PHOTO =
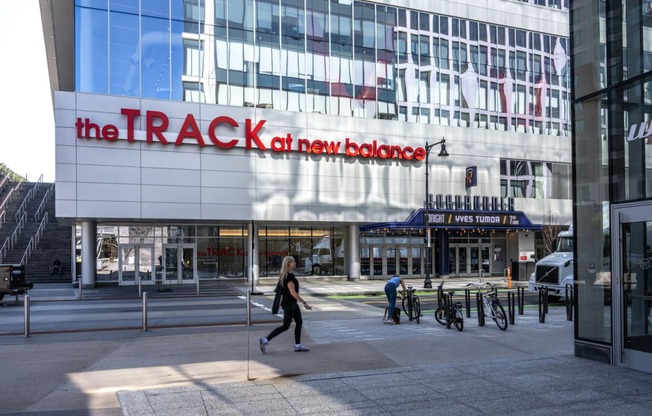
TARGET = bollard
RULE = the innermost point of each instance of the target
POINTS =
(26, 305)
(570, 302)
(478, 298)
(511, 307)
(447, 308)
(543, 305)
(467, 301)
(520, 291)
(80, 286)
(145, 311)
(197, 286)
(248, 307)
(440, 296)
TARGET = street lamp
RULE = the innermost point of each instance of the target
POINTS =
(442, 153)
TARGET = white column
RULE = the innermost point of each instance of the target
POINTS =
(252, 249)
(353, 257)
(88, 253)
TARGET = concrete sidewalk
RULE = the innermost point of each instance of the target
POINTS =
(353, 362)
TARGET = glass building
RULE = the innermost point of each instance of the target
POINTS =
(612, 80)
(205, 139)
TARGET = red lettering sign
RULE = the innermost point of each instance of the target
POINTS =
(157, 123)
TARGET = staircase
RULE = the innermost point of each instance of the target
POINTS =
(55, 242)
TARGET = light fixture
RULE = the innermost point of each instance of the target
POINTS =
(427, 283)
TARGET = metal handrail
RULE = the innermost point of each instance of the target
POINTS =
(46, 199)
(10, 196)
(23, 207)
(3, 249)
(34, 241)
(4, 183)
(3, 218)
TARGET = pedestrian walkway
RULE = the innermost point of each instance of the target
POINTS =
(353, 361)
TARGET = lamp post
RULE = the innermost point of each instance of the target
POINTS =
(442, 153)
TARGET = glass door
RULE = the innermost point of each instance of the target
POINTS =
(632, 286)
(179, 263)
(135, 264)
(459, 262)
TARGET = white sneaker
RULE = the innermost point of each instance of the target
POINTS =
(300, 347)
(263, 345)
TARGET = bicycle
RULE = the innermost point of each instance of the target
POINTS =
(454, 311)
(412, 304)
(491, 307)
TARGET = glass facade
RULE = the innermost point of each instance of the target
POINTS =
(213, 251)
(339, 57)
(612, 71)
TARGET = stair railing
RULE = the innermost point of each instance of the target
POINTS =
(13, 239)
(23, 207)
(33, 242)
(3, 249)
(13, 193)
(3, 218)
(46, 199)
(4, 183)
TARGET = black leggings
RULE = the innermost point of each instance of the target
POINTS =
(290, 312)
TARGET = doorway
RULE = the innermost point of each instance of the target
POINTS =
(179, 263)
(135, 264)
(465, 260)
(632, 285)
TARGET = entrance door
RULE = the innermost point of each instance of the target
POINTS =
(135, 264)
(632, 285)
(458, 260)
(469, 260)
(179, 263)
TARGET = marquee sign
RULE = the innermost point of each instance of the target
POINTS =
(478, 219)
(157, 123)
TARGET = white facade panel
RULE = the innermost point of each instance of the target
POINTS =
(66, 191)
(107, 209)
(110, 192)
(94, 174)
(171, 211)
(171, 194)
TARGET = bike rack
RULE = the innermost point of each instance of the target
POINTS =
(570, 301)
(543, 305)
(510, 307)
(478, 297)
(467, 302)
(447, 307)
(520, 292)
(440, 295)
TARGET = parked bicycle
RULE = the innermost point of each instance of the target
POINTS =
(454, 310)
(491, 307)
(412, 304)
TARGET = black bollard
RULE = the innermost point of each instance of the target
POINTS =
(440, 295)
(447, 308)
(511, 307)
(543, 305)
(467, 300)
(478, 297)
(521, 299)
(570, 302)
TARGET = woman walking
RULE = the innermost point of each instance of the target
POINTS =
(290, 305)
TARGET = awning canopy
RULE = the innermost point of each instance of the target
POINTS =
(458, 220)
